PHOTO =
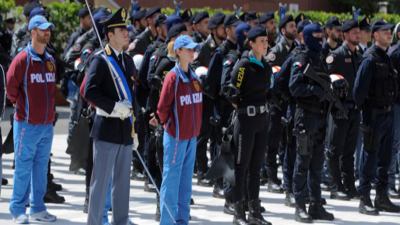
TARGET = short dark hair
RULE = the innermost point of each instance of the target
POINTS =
(108, 30)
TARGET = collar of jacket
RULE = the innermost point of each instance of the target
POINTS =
(35, 56)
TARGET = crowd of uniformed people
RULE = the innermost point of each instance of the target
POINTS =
(229, 99)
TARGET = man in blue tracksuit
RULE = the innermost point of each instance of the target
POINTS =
(31, 88)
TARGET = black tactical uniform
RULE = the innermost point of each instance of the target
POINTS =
(375, 91)
(344, 134)
(309, 127)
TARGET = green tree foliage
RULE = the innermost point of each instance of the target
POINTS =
(6, 5)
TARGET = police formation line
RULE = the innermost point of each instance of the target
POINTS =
(321, 101)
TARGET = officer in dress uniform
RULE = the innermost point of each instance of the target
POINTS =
(109, 87)
(375, 91)
(344, 62)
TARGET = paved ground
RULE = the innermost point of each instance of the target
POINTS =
(207, 209)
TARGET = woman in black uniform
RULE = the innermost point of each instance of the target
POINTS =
(251, 80)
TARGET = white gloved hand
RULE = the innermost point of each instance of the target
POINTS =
(123, 108)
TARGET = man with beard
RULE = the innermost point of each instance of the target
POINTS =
(112, 96)
(143, 40)
(200, 25)
(207, 50)
(344, 61)
(333, 32)
(138, 23)
(31, 81)
(276, 57)
(267, 20)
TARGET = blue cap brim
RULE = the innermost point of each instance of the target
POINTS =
(192, 45)
(46, 26)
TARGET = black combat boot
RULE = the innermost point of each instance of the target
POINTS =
(239, 218)
(318, 212)
(301, 214)
(366, 206)
(255, 216)
(383, 203)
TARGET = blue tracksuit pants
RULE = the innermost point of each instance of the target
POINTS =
(176, 187)
(32, 145)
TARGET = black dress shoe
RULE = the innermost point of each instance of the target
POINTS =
(4, 181)
(339, 195)
(229, 208)
(301, 214)
(218, 192)
(289, 200)
(274, 187)
(383, 203)
(318, 212)
(366, 206)
(53, 197)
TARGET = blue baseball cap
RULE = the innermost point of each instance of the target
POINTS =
(184, 41)
(39, 22)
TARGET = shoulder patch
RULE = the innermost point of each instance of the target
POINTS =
(227, 62)
(329, 59)
(271, 57)
(297, 64)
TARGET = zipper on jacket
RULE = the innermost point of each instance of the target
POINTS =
(47, 94)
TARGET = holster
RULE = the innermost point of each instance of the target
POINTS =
(302, 141)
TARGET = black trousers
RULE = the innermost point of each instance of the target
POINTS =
(290, 151)
(250, 145)
(206, 133)
(376, 154)
(310, 134)
(274, 138)
(343, 141)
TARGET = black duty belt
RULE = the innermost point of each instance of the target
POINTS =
(383, 109)
(253, 110)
